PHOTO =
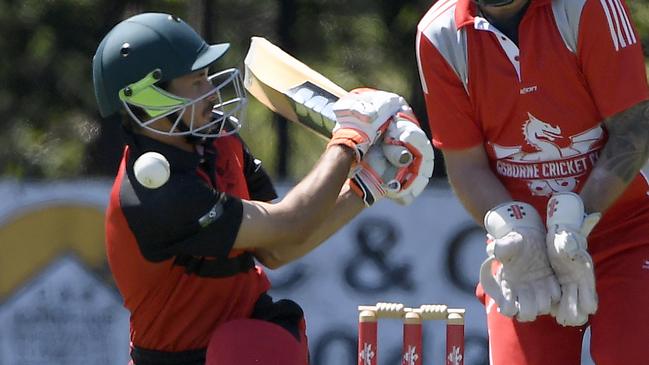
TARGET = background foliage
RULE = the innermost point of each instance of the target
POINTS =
(50, 125)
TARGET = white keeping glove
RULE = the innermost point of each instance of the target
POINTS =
(524, 285)
(568, 227)
(414, 177)
(362, 116)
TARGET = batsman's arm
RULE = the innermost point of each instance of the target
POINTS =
(473, 181)
(626, 151)
(300, 213)
(348, 206)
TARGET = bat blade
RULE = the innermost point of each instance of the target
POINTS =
(297, 92)
(290, 88)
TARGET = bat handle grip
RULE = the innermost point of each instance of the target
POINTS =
(397, 155)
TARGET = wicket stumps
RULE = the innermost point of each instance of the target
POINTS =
(412, 331)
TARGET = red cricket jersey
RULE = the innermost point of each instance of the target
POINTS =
(537, 109)
(147, 231)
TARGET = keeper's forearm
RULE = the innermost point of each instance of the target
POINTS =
(478, 189)
(473, 181)
(621, 159)
(348, 206)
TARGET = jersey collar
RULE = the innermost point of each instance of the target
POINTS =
(466, 11)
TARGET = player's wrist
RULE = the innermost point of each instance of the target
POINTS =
(347, 151)
(351, 139)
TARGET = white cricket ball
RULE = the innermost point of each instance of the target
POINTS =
(151, 170)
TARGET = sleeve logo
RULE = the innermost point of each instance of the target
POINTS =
(211, 216)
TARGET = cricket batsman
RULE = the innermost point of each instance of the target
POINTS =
(540, 108)
(182, 246)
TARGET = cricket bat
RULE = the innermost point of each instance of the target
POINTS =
(298, 93)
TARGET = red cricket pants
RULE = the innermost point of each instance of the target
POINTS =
(619, 329)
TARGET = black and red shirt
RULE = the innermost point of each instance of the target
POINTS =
(170, 249)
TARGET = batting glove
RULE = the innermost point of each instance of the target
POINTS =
(568, 227)
(361, 118)
(382, 173)
(373, 177)
(413, 178)
(524, 285)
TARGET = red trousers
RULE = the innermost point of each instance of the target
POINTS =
(619, 329)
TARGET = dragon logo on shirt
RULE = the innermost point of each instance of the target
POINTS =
(549, 162)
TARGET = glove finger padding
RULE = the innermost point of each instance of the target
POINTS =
(375, 176)
(569, 313)
(405, 131)
(362, 116)
(367, 177)
(507, 305)
(555, 290)
(587, 299)
(407, 196)
(527, 308)
(368, 106)
(544, 300)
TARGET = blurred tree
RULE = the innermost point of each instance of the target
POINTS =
(285, 29)
(45, 101)
(51, 128)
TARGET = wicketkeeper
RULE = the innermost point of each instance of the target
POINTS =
(540, 108)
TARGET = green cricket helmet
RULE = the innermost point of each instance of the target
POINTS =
(148, 49)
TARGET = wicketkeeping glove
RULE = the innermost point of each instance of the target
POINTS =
(568, 227)
(524, 285)
(362, 116)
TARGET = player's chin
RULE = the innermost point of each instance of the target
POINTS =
(202, 119)
(203, 123)
(205, 118)
(207, 114)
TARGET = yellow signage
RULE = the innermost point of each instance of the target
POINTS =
(33, 237)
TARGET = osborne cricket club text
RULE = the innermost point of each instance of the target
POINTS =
(548, 169)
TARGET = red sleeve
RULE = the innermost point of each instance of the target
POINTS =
(611, 57)
(450, 114)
